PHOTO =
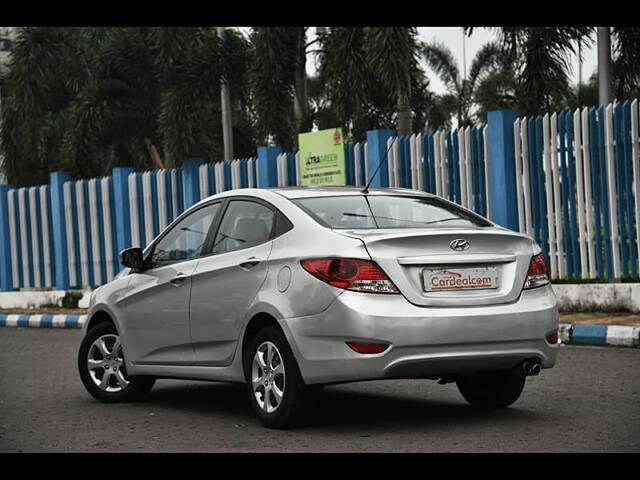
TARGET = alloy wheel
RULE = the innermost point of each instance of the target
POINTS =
(268, 377)
(106, 364)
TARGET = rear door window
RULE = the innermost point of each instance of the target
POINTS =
(245, 224)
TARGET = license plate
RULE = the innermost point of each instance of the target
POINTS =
(442, 279)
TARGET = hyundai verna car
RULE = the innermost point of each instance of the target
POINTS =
(291, 288)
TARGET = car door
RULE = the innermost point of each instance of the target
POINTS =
(157, 303)
(226, 281)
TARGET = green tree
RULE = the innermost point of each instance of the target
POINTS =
(88, 99)
(273, 84)
(626, 63)
(370, 78)
(542, 58)
(40, 82)
(584, 94)
(485, 77)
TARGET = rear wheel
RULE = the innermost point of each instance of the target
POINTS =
(276, 390)
(492, 389)
(102, 367)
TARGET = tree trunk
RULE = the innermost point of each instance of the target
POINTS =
(404, 118)
(300, 101)
(153, 153)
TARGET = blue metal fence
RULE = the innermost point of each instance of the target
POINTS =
(579, 194)
(573, 187)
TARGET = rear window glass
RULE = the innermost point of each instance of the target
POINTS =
(385, 211)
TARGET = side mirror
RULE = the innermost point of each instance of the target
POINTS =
(132, 258)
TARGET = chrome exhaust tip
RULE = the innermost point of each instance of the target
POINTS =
(535, 370)
(527, 368)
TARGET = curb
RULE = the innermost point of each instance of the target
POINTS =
(614, 335)
(44, 320)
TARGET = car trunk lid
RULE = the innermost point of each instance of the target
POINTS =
(490, 268)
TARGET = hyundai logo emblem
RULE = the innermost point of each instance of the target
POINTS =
(459, 244)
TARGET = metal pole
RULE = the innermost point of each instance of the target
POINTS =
(225, 101)
(3, 179)
(604, 65)
(464, 58)
(579, 62)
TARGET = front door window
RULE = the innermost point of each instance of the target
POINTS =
(186, 240)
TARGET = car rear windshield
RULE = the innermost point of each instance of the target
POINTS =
(386, 211)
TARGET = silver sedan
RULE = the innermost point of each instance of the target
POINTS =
(289, 289)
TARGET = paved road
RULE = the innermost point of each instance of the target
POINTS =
(589, 402)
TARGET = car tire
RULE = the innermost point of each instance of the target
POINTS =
(492, 389)
(100, 355)
(287, 398)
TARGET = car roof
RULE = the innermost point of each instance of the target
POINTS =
(327, 191)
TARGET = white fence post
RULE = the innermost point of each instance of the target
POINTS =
(611, 190)
(580, 181)
(549, 191)
(557, 207)
(391, 168)
(462, 171)
(395, 149)
(219, 176)
(516, 143)
(586, 158)
(468, 167)
(203, 173)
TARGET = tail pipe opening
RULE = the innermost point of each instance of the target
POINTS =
(530, 367)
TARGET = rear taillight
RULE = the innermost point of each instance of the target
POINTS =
(538, 274)
(350, 274)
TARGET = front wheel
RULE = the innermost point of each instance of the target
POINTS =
(102, 367)
(492, 389)
(276, 390)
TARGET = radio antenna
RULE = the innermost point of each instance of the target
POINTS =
(365, 190)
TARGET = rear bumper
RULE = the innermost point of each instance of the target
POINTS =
(424, 342)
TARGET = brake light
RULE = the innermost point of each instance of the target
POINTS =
(538, 274)
(552, 337)
(350, 274)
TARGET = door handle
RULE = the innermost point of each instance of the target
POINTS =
(249, 263)
(178, 279)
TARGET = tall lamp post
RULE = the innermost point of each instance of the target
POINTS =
(604, 65)
(225, 101)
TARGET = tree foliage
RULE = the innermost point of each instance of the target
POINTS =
(483, 87)
(626, 62)
(366, 74)
(541, 56)
(86, 100)
(273, 84)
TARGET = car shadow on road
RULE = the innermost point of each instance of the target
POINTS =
(338, 408)
(342, 409)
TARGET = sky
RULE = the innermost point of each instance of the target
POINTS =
(452, 37)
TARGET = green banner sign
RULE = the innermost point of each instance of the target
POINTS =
(322, 157)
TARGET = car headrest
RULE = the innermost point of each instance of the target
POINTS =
(252, 230)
